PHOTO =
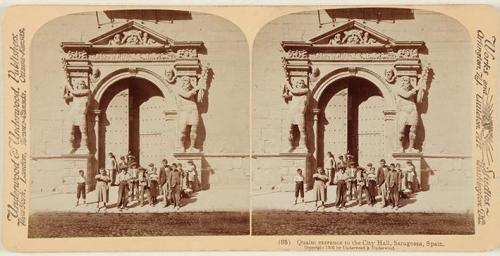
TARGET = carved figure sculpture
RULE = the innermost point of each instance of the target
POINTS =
(77, 98)
(407, 112)
(187, 97)
(297, 98)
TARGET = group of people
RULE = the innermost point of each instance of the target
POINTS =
(144, 185)
(392, 182)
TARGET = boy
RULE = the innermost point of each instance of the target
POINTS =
(80, 187)
(341, 178)
(361, 184)
(351, 181)
(299, 185)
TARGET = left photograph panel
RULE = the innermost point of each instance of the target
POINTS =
(139, 125)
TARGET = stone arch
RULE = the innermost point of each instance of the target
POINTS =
(329, 79)
(124, 73)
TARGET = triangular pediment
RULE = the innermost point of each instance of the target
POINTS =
(131, 34)
(352, 33)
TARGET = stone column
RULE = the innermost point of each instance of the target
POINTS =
(316, 112)
(97, 131)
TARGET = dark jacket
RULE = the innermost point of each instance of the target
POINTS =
(163, 175)
(381, 175)
(175, 178)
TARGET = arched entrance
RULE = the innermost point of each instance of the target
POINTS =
(126, 86)
(351, 120)
(132, 112)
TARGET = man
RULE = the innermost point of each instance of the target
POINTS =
(162, 181)
(191, 176)
(123, 164)
(123, 180)
(134, 182)
(341, 178)
(143, 185)
(351, 180)
(361, 183)
(130, 159)
(381, 181)
(411, 177)
(112, 168)
(341, 163)
(330, 167)
(393, 182)
(175, 182)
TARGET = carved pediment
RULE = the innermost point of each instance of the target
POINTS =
(351, 34)
(132, 34)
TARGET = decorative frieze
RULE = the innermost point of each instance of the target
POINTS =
(133, 57)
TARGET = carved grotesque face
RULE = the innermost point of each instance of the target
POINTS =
(133, 39)
(336, 38)
(117, 38)
(389, 74)
(405, 82)
(81, 85)
(300, 84)
(96, 73)
(170, 74)
(186, 83)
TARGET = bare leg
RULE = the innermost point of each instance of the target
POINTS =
(402, 137)
(182, 137)
(193, 135)
(72, 139)
(291, 138)
(83, 131)
(412, 136)
(302, 137)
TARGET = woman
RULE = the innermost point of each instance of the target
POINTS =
(153, 185)
(102, 180)
(320, 179)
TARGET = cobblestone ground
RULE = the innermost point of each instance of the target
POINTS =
(74, 224)
(332, 223)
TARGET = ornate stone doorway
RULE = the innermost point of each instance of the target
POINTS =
(379, 81)
(351, 119)
(124, 89)
(133, 120)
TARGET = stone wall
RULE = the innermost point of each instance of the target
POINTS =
(226, 123)
(446, 126)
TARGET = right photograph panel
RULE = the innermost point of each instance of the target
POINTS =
(361, 124)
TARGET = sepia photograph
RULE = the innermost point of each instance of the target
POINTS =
(361, 124)
(139, 125)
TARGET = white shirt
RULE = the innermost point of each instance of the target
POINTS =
(80, 179)
(123, 177)
(298, 178)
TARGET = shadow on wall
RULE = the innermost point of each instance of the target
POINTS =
(202, 109)
(205, 173)
(425, 176)
(422, 109)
